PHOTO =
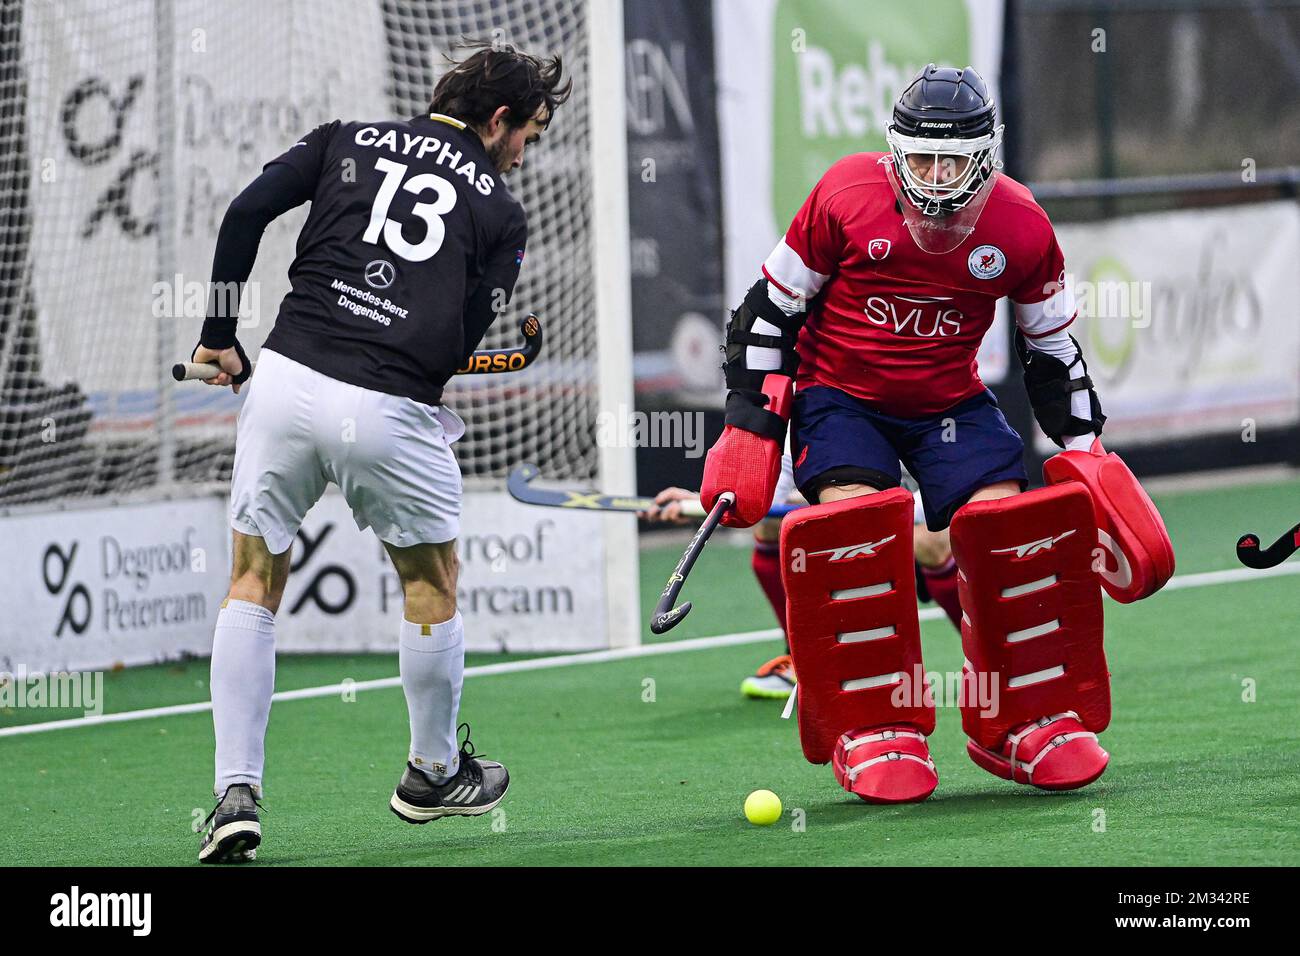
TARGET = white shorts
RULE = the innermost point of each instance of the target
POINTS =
(784, 484)
(391, 457)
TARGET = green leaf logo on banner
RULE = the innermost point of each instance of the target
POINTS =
(838, 66)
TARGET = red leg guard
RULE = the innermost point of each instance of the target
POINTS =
(852, 623)
(1036, 689)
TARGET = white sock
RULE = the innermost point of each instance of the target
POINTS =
(432, 664)
(242, 682)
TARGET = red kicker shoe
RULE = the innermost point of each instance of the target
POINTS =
(1051, 753)
(885, 764)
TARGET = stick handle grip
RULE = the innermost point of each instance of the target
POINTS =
(190, 371)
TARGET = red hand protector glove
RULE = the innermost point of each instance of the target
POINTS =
(1139, 557)
(748, 464)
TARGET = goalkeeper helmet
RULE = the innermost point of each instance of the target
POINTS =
(943, 142)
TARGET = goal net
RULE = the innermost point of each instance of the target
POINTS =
(113, 190)
(127, 126)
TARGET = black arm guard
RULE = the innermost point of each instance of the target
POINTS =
(1050, 388)
(745, 399)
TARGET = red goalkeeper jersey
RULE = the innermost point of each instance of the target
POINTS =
(899, 327)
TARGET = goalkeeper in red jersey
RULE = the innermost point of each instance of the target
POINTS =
(863, 331)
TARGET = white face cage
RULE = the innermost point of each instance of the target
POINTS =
(943, 185)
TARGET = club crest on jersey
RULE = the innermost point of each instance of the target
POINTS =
(1033, 547)
(877, 249)
(986, 262)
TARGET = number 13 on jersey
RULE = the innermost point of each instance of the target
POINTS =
(430, 212)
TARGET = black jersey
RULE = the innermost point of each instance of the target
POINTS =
(408, 221)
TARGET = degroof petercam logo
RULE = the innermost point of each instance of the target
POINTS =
(838, 66)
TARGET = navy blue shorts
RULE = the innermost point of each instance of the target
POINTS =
(840, 439)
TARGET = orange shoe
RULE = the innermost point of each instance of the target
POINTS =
(774, 680)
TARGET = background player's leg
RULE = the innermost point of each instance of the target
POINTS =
(243, 660)
(432, 653)
(775, 679)
(935, 556)
(933, 553)
(766, 562)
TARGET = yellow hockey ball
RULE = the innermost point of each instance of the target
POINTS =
(762, 808)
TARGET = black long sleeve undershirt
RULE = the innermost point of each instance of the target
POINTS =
(277, 190)
(480, 313)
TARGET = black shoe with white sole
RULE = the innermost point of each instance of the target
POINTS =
(233, 828)
(476, 788)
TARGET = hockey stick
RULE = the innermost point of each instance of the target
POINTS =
(666, 616)
(484, 362)
(1249, 554)
(520, 489)
(491, 361)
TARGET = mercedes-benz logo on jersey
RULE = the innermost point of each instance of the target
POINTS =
(986, 262)
(380, 274)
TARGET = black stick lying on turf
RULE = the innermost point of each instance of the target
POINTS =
(483, 362)
(666, 617)
(520, 489)
(1249, 554)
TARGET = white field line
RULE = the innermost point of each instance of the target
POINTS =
(1178, 583)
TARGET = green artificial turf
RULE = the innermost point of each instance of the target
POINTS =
(648, 760)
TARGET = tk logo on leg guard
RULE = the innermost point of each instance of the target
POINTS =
(854, 550)
(1033, 547)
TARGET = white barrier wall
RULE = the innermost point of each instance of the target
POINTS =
(137, 584)
(531, 579)
(86, 589)
(1188, 319)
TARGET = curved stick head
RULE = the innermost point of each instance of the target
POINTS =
(518, 479)
(531, 329)
(662, 623)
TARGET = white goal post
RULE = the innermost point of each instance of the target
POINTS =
(126, 127)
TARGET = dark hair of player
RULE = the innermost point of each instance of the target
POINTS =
(497, 75)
